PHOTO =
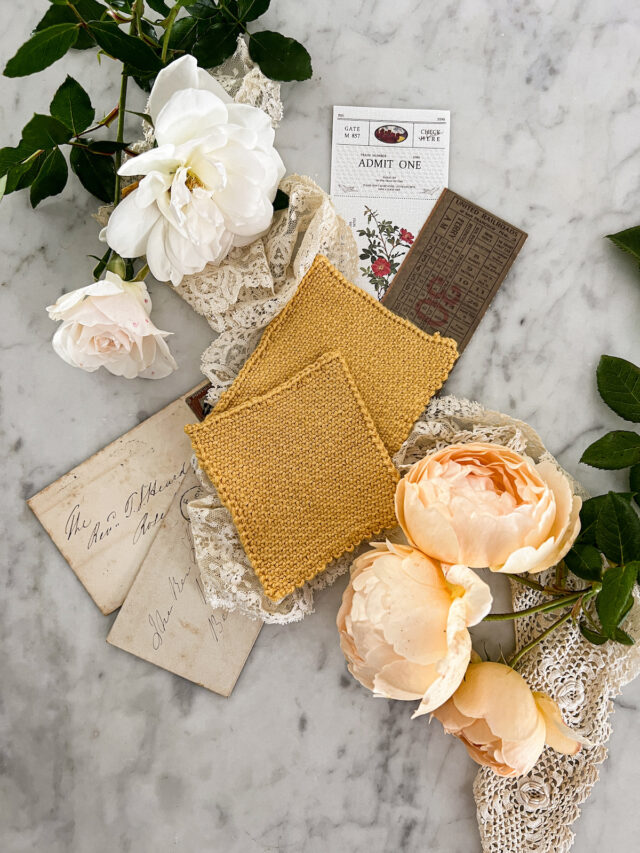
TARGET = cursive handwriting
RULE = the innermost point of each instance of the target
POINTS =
(217, 619)
(75, 522)
(146, 524)
(141, 496)
(159, 624)
(99, 533)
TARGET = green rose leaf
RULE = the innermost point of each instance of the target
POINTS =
(97, 173)
(10, 157)
(158, 6)
(628, 240)
(589, 514)
(89, 10)
(617, 449)
(106, 146)
(128, 49)
(279, 57)
(183, 34)
(619, 386)
(592, 636)
(215, 44)
(203, 9)
(281, 201)
(43, 49)
(51, 177)
(634, 481)
(23, 175)
(585, 561)
(249, 10)
(621, 636)
(612, 600)
(43, 132)
(618, 530)
(72, 106)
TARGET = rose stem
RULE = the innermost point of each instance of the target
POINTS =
(523, 651)
(526, 582)
(538, 608)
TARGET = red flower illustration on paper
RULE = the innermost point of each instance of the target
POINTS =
(385, 247)
(381, 267)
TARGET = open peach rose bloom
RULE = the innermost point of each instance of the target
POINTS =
(483, 505)
(403, 624)
(502, 723)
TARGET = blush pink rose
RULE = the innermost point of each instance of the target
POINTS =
(484, 505)
(107, 325)
(502, 723)
(403, 624)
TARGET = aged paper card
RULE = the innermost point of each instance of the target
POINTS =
(388, 167)
(104, 514)
(165, 618)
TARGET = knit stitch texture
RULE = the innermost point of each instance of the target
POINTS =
(303, 471)
(396, 366)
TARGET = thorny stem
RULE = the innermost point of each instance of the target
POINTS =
(120, 133)
(546, 606)
(525, 649)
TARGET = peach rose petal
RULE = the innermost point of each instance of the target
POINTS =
(500, 695)
(403, 624)
(558, 735)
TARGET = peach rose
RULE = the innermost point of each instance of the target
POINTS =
(403, 624)
(484, 505)
(502, 723)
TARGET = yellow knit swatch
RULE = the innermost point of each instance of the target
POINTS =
(396, 366)
(303, 472)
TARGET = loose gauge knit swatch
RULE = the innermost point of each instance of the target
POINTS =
(396, 366)
(303, 471)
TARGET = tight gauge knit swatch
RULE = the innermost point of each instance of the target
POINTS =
(303, 471)
(396, 366)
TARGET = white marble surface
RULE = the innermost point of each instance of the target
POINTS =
(101, 751)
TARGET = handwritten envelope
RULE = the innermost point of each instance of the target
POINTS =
(165, 618)
(104, 514)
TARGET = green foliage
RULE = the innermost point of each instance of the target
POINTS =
(43, 49)
(133, 52)
(51, 177)
(607, 551)
(280, 57)
(619, 386)
(72, 106)
(618, 530)
(96, 172)
(612, 603)
(628, 241)
(132, 33)
(617, 449)
(585, 561)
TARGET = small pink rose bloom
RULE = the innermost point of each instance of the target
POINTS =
(403, 624)
(106, 325)
(502, 723)
(484, 505)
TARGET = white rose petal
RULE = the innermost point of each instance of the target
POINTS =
(207, 186)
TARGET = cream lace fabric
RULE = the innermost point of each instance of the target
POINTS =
(533, 814)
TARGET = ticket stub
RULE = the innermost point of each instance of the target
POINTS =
(454, 268)
(388, 167)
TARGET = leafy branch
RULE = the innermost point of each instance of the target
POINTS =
(606, 554)
(144, 35)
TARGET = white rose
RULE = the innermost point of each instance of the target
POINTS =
(209, 184)
(107, 325)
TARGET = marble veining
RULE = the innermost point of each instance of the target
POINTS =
(101, 751)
